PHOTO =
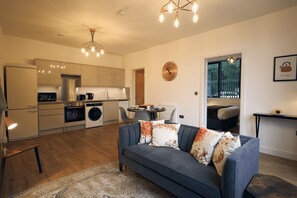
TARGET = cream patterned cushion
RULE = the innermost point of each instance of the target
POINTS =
(203, 145)
(146, 128)
(165, 135)
(227, 145)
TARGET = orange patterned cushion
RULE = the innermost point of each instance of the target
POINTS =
(227, 145)
(146, 128)
(203, 145)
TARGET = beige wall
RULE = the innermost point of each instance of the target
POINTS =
(19, 50)
(259, 40)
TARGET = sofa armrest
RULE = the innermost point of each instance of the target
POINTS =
(128, 135)
(239, 169)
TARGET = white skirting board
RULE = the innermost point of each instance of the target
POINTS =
(166, 114)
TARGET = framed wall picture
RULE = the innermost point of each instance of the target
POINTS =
(285, 68)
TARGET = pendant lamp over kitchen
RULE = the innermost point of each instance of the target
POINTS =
(175, 7)
(92, 46)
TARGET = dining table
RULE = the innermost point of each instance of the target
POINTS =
(146, 113)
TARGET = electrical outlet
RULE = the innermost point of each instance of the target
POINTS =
(181, 116)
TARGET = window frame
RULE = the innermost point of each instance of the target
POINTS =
(219, 62)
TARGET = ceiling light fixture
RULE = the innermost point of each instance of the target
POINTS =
(92, 46)
(231, 59)
(172, 6)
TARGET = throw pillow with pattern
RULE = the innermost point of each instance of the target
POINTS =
(165, 135)
(203, 145)
(226, 146)
(146, 128)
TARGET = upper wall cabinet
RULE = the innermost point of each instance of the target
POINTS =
(48, 72)
(102, 76)
(71, 69)
(89, 76)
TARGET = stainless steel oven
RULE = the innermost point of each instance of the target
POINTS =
(74, 112)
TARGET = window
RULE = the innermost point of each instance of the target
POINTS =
(224, 79)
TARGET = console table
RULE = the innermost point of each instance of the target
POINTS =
(270, 115)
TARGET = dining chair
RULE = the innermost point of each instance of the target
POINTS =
(125, 117)
(171, 116)
(141, 115)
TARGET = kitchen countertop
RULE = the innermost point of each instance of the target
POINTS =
(83, 101)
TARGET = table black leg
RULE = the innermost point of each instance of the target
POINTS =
(2, 167)
(257, 125)
(38, 159)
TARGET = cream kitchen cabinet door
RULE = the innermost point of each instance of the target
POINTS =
(48, 72)
(71, 69)
(27, 120)
(89, 76)
(118, 77)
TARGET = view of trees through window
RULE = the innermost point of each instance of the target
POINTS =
(224, 79)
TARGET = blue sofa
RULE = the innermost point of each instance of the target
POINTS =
(178, 172)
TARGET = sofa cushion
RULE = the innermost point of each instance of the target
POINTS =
(204, 144)
(147, 129)
(179, 166)
(165, 135)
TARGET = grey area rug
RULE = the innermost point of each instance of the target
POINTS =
(101, 181)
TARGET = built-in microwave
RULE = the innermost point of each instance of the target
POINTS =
(47, 96)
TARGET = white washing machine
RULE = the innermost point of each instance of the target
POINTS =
(94, 114)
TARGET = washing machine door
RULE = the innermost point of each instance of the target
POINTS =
(95, 114)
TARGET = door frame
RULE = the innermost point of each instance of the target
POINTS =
(203, 88)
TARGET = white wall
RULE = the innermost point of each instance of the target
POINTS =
(259, 40)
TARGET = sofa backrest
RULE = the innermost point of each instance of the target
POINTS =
(186, 136)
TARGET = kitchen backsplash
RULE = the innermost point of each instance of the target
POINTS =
(99, 92)
(103, 93)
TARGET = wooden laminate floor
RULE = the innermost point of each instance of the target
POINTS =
(66, 153)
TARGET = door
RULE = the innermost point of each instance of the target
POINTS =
(139, 87)
(27, 120)
(21, 87)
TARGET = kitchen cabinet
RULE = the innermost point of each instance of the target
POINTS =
(20, 90)
(48, 72)
(102, 76)
(51, 118)
(110, 112)
(71, 69)
(89, 76)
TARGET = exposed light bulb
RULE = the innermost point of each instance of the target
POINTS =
(98, 54)
(195, 18)
(93, 49)
(170, 7)
(194, 7)
(176, 22)
(83, 50)
(161, 17)
(87, 54)
(102, 51)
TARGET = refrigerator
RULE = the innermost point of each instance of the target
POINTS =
(21, 97)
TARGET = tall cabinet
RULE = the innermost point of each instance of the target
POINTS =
(21, 98)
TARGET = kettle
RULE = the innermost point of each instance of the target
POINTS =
(90, 96)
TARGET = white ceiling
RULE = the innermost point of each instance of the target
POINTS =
(138, 28)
